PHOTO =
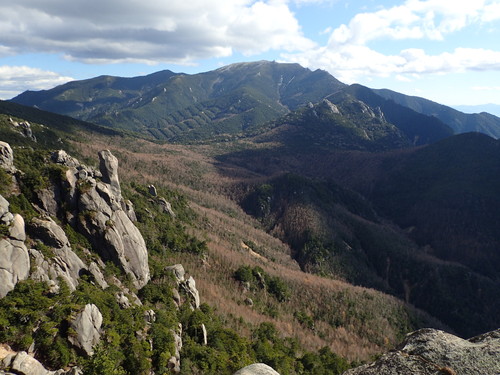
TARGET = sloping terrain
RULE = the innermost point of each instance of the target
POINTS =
(296, 188)
(180, 106)
(460, 122)
(252, 299)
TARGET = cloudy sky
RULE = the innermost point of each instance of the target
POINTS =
(443, 50)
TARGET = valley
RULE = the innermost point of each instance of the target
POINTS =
(318, 219)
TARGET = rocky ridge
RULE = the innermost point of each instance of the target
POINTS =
(434, 352)
(89, 201)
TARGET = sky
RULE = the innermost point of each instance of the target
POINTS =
(447, 51)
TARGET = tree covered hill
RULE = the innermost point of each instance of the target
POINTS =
(181, 106)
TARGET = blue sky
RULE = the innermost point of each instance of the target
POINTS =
(444, 50)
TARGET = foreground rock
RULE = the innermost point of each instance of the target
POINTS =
(24, 364)
(434, 352)
(6, 157)
(87, 326)
(257, 369)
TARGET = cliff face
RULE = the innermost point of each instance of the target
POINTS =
(434, 352)
(99, 211)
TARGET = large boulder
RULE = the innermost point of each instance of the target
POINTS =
(24, 364)
(108, 165)
(49, 232)
(192, 291)
(87, 326)
(6, 157)
(14, 257)
(257, 369)
(432, 352)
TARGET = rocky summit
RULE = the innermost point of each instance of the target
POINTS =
(433, 352)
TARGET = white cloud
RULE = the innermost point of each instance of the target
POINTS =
(349, 57)
(14, 79)
(175, 31)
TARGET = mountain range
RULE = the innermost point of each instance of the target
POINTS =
(286, 188)
(179, 107)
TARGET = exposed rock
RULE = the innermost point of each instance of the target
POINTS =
(128, 207)
(24, 364)
(204, 340)
(174, 362)
(65, 263)
(17, 231)
(331, 106)
(4, 206)
(150, 316)
(49, 232)
(62, 157)
(176, 296)
(87, 326)
(14, 264)
(6, 157)
(49, 200)
(152, 190)
(257, 369)
(14, 257)
(131, 296)
(190, 287)
(248, 301)
(166, 207)
(104, 222)
(108, 165)
(26, 130)
(178, 271)
(432, 352)
(122, 300)
(97, 274)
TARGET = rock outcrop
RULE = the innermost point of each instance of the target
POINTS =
(63, 263)
(14, 256)
(257, 369)
(6, 157)
(103, 216)
(433, 352)
(87, 326)
(24, 364)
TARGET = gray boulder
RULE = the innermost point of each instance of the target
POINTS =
(87, 326)
(108, 165)
(6, 157)
(97, 274)
(152, 190)
(49, 232)
(174, 362)
(14, 264)
(22, 363)
(257, 369)
(62, 157)
(65, 264)
(432, 352)
(14, 257)
(166, 207)
(190, 287)
(178, 271)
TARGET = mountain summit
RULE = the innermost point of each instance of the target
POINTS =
(227, 101)
(168, 105)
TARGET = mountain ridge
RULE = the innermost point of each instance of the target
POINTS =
(224, 102)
